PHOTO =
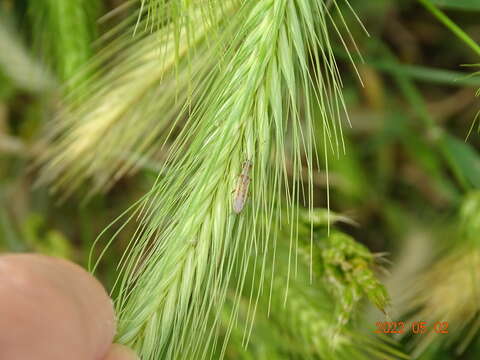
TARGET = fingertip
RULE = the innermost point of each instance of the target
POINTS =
(46, 300)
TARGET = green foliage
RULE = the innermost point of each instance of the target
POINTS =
(469, 217)
(17, 63)
(73, 23)
(446, 294)
(131, 101)
(158, 112)
(462, 35)
(298, 316)
(467, 5)
(261, 88)
(463, 159)
(45, 241)
(348, 269)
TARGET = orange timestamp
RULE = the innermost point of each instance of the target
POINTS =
(416, 327)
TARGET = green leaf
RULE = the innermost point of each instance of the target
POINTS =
(469, 5)
(463, 159)
(44, 240)
(452, 26)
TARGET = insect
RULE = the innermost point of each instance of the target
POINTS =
(241, 191)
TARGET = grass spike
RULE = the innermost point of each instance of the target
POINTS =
(189, 239)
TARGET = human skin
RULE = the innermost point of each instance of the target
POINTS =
(51, 309)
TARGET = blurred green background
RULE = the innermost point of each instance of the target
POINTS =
(408, 178)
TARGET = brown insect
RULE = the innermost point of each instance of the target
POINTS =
(241, 191)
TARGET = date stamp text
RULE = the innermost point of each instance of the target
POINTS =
(415, 327)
